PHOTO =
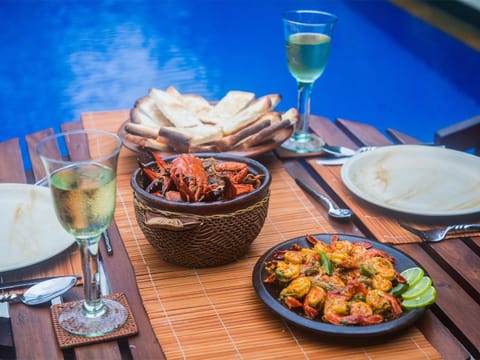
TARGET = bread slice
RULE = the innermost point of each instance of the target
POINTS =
(265, 135)
(247, 116)
(227, 143)
(146, 112)
(274, 99)
(291, 115)
(142, 130)
(148, 143)
(195, 104)
(288, 119)
(173, 109)
(232, 103)
(197, 135)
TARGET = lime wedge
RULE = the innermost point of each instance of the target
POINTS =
(418, 289)
(399, 289)
(413, 275)
(427, 298)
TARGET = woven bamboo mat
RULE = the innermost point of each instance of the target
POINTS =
(214, 312)
(380, 223)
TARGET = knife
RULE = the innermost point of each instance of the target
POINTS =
(13, 285)
(105, 286)
(108, 244)
(332, 161)
(4, 311)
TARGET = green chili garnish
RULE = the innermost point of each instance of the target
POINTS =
(326, 263)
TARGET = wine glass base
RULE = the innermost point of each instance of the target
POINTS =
(304, 144)
(76, 320)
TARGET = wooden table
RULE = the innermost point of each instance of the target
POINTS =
(214, 312)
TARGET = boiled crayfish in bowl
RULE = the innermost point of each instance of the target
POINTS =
(202, 209)
(191, 178)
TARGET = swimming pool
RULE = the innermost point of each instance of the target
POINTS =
(386, 67)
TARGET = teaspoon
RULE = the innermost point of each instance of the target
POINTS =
(42, 292)
(333, 211)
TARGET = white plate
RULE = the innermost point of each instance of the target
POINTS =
(29, 229)
(415, 179)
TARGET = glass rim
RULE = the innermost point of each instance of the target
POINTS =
(65, 134)
(332, 18)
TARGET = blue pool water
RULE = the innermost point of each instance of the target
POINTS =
(386, 67)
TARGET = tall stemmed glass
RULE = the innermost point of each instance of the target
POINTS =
(308, 37)
(84, 191)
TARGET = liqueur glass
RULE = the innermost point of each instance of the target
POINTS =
(307, 37)
(84, 190)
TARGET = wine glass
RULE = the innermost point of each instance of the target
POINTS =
(84, 190)
(308, 37)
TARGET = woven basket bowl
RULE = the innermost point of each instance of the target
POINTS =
(202, 234)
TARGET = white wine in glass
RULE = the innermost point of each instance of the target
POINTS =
(308, 38)
(84, 190)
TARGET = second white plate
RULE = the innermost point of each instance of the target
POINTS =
(415, 179)
(29, 229)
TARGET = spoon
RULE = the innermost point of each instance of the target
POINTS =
(333, 211)
(345, 151)
(42, 292)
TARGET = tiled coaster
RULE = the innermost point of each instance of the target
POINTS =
(68, 340)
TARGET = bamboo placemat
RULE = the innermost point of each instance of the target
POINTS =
(214, 312)
(384, 227)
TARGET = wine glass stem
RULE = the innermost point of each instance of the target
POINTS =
(93, 304)
(304, 93)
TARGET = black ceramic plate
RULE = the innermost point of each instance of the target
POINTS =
(268, 293)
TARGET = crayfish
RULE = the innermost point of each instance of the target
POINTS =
(188, 178)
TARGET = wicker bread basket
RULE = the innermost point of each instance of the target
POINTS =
(202, 234)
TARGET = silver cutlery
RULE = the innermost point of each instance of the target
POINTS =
(333, 211)
(20, 284)
(345, 151)
(341, 154)
(57, 300)
(108, 244)
(42, 292)
(4, 311)
(333, 161)
(105, 286)
(436, 235)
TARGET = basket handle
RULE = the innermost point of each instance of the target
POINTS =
(171, 223)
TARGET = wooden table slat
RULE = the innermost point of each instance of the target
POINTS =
(32, 141)
(34, 336)
(11, 162)
(452, 300)
(464, 262)
(363, 134)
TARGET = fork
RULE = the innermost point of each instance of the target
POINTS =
(436, 235)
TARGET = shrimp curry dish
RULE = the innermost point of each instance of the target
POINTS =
(341, 283)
